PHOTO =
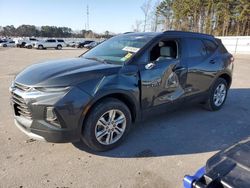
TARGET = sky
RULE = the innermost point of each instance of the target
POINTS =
(113, 15)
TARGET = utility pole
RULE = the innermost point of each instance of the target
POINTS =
(87, 17)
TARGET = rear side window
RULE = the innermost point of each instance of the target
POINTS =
(196, 48)
(221, 46)
(60, 40)
(210, 46)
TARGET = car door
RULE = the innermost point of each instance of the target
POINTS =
(50, 43)
(11, 44)
(53, 43)
(203, 63)
(162, 81)
(47, 43)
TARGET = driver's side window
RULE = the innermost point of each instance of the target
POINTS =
(165, 49)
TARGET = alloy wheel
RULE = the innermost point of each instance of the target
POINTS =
(110, 127)
(220, 94)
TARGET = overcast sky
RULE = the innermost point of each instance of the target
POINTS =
(112, 15)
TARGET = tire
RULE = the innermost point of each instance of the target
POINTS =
(59, 47)
(29, 47)
(23, 44)
(40, 47)
(5, 45)
(108, 137)
(213, 103)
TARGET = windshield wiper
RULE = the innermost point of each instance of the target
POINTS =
(97, 59)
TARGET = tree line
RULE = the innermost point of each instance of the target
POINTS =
(217, 17)
(49, 31)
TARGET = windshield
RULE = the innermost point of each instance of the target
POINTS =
(118, 49)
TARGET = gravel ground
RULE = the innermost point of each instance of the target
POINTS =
(157, 153)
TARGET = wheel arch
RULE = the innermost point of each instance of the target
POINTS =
(124, 97)
(226, 77)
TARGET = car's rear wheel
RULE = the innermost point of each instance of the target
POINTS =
(23, 44)
(107, 124)
(40, 47)
(218, 95)
(5, 45)
(29, 46)
(59, 47)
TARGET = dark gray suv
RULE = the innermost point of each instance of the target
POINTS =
(96, 97)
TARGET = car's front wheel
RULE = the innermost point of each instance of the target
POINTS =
(107, 124)
(218, 95)
(59, 47)
(40, 47)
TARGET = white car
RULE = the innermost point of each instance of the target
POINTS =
(91, 45)
(29, 44)
(72, 44)
(50, 43)
(22, 41)
(8, 44)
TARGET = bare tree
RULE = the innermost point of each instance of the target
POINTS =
(146, 7)
(154, 16)
(137, 26)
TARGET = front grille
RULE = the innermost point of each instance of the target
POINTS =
(20, 106)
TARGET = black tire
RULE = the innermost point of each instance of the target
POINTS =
(29, 47)
(59, 47)
(5, 45)
(89, 127)
(23, 44)
(40, 47)
(210, 103)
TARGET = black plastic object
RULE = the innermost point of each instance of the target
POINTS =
(229, 168)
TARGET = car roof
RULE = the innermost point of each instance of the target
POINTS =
(142, 33)
(172, 33)
(188, 34)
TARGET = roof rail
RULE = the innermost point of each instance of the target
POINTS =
(128, 32)
(186, 33)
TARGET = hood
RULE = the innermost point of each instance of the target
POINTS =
(64, 72)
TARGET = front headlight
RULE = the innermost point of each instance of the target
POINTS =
(52, 89)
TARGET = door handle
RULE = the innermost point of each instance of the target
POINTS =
(149, 66)
(212, 61)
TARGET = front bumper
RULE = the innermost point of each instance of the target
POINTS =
(56, 136)
(69, 109)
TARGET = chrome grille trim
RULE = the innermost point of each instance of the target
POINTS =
(19, 104)
(21, 87)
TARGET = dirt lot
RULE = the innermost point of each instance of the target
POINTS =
(157, 153)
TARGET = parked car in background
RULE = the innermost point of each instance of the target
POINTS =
(50, 43)
(72, 44)
(7, 44)
(81, 44)
(91, 45)
(3, 40)
(96, 97)
(21, 42)
(227, 169)
(29, 44)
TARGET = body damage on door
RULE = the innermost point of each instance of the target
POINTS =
(163, 83)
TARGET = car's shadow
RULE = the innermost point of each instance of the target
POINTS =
(188, 130)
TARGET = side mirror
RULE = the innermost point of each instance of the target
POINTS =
(150, 65)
